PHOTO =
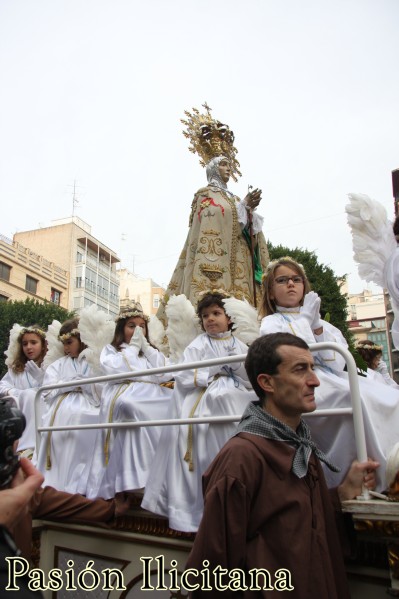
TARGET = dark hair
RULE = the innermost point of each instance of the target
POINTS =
(369, 351)
(70, 325)
(210, 299)
(263, 356)
(119, 335)
(395, 228)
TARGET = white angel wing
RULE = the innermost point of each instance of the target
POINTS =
(183, 325)
(372, 237)
(55, 348)
(157, 335)
(245, 318)
(96, 329)
(12, 350)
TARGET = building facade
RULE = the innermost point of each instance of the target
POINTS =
(139, 289)
(91, 264)
(27, 274)
(367, 319)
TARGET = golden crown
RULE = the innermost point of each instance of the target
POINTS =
(133, 309)
(210, 138)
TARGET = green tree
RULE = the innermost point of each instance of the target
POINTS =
(26, 313)
(325, 283)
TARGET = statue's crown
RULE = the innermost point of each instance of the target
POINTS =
(210, 138)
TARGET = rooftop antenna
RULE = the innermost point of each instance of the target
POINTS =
(75, 201)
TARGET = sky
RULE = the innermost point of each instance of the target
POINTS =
(92, 93)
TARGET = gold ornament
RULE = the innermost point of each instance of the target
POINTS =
(210, 138)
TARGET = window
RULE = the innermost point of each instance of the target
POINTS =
(55, 296)
(3, 298)
(31, 284)
(5, 271)
(79, 257)
(155, 300)
(78, 282)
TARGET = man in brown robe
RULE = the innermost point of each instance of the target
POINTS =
(268, 528)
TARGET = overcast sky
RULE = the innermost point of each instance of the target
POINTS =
(93, 91)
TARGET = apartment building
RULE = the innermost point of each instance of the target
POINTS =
(367, 319)
(91, 265)
(139, 289)
(27, 274)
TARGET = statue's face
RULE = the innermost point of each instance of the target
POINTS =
(224, 170)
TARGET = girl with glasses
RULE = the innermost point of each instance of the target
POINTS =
(289, 306)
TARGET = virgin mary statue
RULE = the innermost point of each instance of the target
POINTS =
(225, 249)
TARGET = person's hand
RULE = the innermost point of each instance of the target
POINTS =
(14, 502)
(146, 347)
(359, 474)
(382, 368)
(34, 371)
(253, 198)
(311, 308)
(137, 339)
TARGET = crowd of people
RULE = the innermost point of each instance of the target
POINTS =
(166, 466)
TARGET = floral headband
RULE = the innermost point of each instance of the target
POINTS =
(131, 314)
(368, 345)
(66, 336)
(34, 330)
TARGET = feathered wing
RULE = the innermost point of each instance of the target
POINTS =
(373, 240)
(96, 329)
(55, 348)
(157, 335)
(183, 325)
(12, 350)
(245, 318)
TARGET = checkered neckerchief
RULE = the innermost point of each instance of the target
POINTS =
(258, 422)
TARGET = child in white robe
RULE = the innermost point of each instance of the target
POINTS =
(122, 458)
(174, 488)
(377, 370)
(288, 305)
(25, 375)
(63, 455)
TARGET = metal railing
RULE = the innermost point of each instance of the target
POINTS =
(355, 410)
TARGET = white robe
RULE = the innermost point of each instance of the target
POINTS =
(130, 451)
(173, 489)
(335, 434)
(69, 451)
(22, 386)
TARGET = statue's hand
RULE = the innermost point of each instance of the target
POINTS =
(253, 198)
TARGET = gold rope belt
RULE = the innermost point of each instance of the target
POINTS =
(122, 388)
(188, 457)
(48, 446)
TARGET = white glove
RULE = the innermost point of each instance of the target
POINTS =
(146, 347)
(34, 371)
(382, 368)
(137, 339)
(311, 309)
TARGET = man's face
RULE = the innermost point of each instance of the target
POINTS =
(291, 391)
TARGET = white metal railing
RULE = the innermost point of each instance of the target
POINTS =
(356, 408)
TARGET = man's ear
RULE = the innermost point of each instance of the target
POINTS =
(265, 382)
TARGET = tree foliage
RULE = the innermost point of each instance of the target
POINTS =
(325, 283)
(26, 313)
